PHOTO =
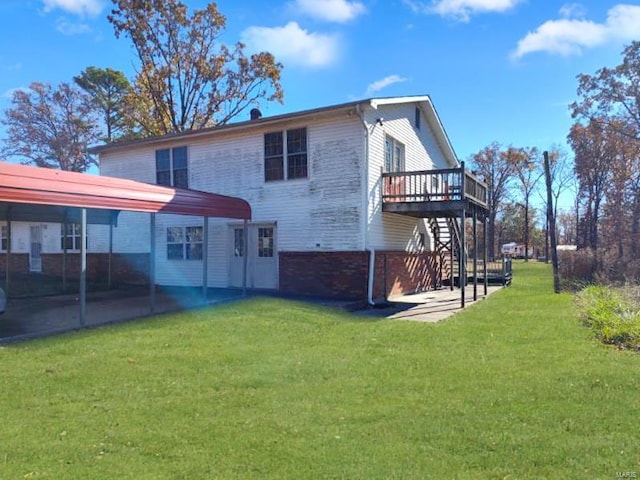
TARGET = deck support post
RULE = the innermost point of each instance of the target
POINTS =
(462, 264)
(484, 253)
(475, 255)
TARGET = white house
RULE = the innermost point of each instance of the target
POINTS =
(315, 185)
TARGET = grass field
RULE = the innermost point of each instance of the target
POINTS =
(514, 387)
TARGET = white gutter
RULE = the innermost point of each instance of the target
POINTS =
(365, 209)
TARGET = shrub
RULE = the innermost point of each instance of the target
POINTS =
(613, 314)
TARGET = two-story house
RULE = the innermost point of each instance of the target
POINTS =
(340, 198)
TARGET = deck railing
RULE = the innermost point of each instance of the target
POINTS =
(433, 186)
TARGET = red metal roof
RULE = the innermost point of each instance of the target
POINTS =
(20, 184)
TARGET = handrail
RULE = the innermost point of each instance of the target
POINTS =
(433, 186)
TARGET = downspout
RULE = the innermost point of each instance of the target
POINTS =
(365, 209)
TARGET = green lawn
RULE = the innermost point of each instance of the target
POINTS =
(514, 387)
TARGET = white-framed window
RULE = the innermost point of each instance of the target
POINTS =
(172, 167)
(265, 242)
(70, 236)
(393, 155)
(4, 238)
(285, 154)
(185, 243)
(238, 242)
(416, 119)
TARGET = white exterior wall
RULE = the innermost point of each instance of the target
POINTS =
(320, 213)
(388, 231)
(51, 237)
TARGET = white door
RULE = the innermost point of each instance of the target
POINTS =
(236, 261)
(262, 259)
(265, 265)
(35, 259)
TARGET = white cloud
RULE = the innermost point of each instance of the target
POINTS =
(572, 10)
(90, 8)
(383, 83)
(330, 10)
(460, 9)
(293, 45)
(69, 28)
(569, 36)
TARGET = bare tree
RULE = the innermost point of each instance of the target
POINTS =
(187, 79)
(493, 168)
(51, 127)
(526, 165)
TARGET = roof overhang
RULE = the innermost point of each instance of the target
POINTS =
(41, 194)
(276, 121)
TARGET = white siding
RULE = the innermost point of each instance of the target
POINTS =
(51, 237)
(422, 152)
(322, 212)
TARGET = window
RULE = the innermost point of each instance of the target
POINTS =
(265, 242)
(422, 244)
(70, 235)
(393, 155)
(171, 167)
(4, 237)
(416, 120)
(185, 243)
(291, 160)
(238, 242)
(273, 156)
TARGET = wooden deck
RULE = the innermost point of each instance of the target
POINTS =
(433, 193)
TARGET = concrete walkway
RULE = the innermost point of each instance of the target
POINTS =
(432, 306)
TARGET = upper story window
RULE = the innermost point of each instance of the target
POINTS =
(171, 167)
(416, 120)
(393, 155)
(70, 236)
(285, 153)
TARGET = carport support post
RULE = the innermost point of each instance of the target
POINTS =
(205, 259)
(8, 254)
(83, 266)
(245, 242)
(152, 263)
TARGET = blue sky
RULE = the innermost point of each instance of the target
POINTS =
(497, 70)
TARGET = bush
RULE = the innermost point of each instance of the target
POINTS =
(613, 314)
(576, 268)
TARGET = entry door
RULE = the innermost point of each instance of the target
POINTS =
(265, 267)
(262, 260)
(35, 259)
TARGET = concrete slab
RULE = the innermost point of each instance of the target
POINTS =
(28, 318)
(432, 306)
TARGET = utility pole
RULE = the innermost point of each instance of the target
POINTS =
(551, 224)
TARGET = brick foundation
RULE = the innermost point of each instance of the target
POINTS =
(344, 275)
(126, 269)
(398, 273)
(340, 275)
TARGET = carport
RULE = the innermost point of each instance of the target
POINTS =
(31, 194)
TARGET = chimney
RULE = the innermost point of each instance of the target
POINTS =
(255, 114)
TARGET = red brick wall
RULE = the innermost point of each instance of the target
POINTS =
(345, 274)
(398, 273)
(132, 268)
(19, 263)
(324, 274)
